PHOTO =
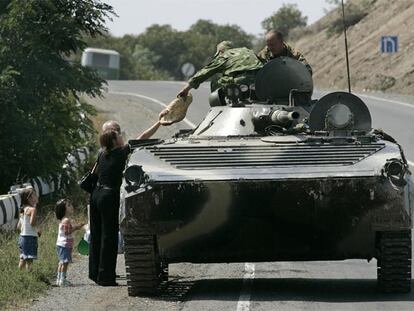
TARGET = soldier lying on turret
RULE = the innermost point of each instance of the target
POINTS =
(237, 66)
(276, 47)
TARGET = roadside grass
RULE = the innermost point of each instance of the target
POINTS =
(18, 288)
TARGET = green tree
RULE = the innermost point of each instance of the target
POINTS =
(144, 68)
(167, 43)
(285, 19)
(42, 119)
(202, 38)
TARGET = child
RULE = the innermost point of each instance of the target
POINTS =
(28, 233)
(64, 243)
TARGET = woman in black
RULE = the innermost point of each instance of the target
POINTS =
(104, 209)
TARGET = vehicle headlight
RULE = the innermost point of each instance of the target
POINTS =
(244, 88)
(395, 170)
(134, 175)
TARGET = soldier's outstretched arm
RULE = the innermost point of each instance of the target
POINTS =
(215, 66)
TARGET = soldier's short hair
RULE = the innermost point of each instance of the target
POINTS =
(275, 33)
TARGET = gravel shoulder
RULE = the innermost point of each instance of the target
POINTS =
(86, 295)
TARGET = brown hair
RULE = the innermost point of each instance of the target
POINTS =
(107, 140)
(25, 197)
(60, 208)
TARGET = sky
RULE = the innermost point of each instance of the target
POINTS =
(136, 15)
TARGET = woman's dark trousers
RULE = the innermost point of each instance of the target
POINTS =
(104, 226)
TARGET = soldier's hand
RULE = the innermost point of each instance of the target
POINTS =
(184, 92)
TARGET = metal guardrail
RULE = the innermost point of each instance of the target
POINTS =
(10, 203)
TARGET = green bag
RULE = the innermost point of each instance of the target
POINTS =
(83, 247)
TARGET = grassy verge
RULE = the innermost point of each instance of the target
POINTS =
(19, 287)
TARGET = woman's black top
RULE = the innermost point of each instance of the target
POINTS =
(111, 165)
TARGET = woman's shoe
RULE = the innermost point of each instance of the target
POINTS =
(101, 283)
(93, 279)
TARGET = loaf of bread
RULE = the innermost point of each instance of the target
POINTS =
(177, 110)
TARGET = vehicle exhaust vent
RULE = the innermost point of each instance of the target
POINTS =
(223, 157)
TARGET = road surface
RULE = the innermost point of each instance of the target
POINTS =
(346, 285)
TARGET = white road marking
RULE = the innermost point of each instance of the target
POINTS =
(188, 122)
(411, 163)
(170, 82)
(386, 100)
(244, 300)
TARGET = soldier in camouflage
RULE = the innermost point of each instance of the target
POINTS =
(237, 66)
(276, 47)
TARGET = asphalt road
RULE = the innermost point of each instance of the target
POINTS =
(347, 285)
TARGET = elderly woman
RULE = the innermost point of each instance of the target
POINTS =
(104, 209)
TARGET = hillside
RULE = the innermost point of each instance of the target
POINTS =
(370, 69)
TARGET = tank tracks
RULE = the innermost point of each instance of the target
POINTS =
(145, 272)
(394, 262)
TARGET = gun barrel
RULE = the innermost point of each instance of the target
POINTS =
(283, 117)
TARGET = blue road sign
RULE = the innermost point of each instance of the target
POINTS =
(389, 44)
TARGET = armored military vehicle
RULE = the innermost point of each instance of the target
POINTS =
(270, 175)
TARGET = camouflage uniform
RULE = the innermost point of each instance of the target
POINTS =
(237, 66)
(266, 55)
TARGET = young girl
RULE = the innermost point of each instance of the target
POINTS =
(64, 243)
(28, 233)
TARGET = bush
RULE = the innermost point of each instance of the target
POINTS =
(354, 13)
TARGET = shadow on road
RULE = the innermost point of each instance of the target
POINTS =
(176, 289)
(290, 289)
